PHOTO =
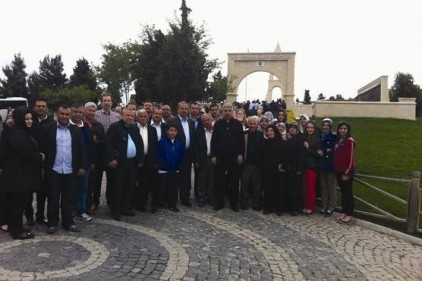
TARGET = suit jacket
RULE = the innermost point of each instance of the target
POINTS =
(48, 145)
(152, 147)
(116, 143)
(200, 148)
(181, 133)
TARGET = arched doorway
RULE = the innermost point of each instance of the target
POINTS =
(280, 64)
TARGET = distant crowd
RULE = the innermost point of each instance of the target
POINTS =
(248, 155)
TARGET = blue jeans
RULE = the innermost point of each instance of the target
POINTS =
(82, 192)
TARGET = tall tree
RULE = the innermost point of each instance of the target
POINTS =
(83, 74)
(115, 70)
(50, 76)
(219, 87)
(307, 97)
(321, 97)
(15, 83)
(147, 64)
(174, 66)
(404, 86)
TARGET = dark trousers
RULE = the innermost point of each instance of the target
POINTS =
(61, 192)
(294, 186)
(145, 178)
(346, 188)
(124, 181)
(270, 182)
(227, 173)
(169, 185)
(280, 203)
(206, 180)
(41, 198)
(185, 178)
(95, 184)
(14, 208)
(251, 184)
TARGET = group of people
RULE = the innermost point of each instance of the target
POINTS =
(148, 154)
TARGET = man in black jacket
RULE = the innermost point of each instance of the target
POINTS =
(202, 161)
(227, 148)
(186, 131)
(65, 160)
(124, 154)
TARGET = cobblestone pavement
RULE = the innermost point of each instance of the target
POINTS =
(201, 244)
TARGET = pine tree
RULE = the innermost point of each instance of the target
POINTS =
(51, 75)
(83, 75)
(15, 83)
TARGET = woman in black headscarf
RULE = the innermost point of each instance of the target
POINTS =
(270, 154)
(21, 171)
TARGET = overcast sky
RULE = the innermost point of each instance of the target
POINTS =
(340, 45)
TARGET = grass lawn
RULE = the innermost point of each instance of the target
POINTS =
(387, 148)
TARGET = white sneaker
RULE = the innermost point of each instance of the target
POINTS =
(85, 218)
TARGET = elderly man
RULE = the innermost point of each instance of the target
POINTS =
(124, 154)
(202, 161)
(251, 175)
(98, 135)
(227, 149)
(146, 174)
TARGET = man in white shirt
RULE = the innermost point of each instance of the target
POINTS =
(146, 175)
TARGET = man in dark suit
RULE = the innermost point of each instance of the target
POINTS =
(227, 149)
(124, 154)
(158, 123)
(186, 131)
(202, 161)
(65, 161)
(41, 110)
(146, 174)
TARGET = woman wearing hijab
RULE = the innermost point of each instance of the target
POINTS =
(270, 159)
(292, 166)
(22, 171)
(313, 154)
(327, 176)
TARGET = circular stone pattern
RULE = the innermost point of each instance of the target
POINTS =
(37, 262)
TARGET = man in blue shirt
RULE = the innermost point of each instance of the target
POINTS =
(65, 161)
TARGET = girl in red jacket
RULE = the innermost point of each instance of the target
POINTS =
(344, 168)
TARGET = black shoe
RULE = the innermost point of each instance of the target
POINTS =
(235, 209)
(174, 209)
(141, 209)
(41, 221)
(294, 213)
(153, 210)
(266, 212)
(73, 228)
(256, 208)
(23, 236)
(51, 230)
(187, 204)
(279, 214)
(218, 207)
(128, 213)
(201, 203)
(30, 222)
(328, 213)
(115, 217)
(323, 211)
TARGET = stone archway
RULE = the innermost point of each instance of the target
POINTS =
(280, 64)
(272, 83)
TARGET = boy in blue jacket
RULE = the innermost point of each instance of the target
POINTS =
(170, 154)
